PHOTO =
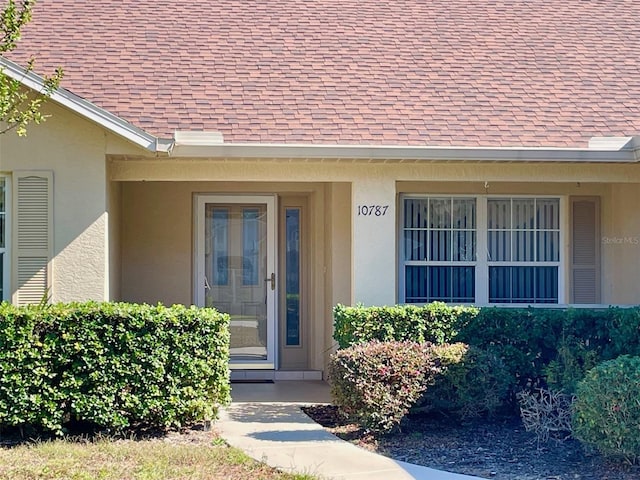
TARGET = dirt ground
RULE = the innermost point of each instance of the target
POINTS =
(497, 449)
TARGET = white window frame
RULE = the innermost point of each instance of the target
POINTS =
(5, 274)
(433, 263)
(482, 262)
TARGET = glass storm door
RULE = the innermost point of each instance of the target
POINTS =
(236, 272)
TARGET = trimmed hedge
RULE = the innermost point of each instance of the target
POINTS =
(538, 346)
(436, 322)
(553, 347)
(111, 365)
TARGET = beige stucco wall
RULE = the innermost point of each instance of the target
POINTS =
(74, 150)
(621, 244)
(339, 252)
(354, 259)
(156, 244)
(114, 250)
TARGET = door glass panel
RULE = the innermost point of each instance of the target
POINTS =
(220, 241)
(292, 279)
(236, 261)
(251, 245)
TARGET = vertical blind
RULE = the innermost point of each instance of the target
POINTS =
(439, 234)
(523, 230)
(440, 255)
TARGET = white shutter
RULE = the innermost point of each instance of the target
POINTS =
(585, 250)
(32, 236)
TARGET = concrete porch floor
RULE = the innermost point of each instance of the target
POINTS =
(298, 392)
(266, 422)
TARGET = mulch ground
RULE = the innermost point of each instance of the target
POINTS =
(497, 449)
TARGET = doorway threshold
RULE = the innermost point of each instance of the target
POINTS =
(275, 375)
(246, 380)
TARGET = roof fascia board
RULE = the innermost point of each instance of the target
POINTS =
(81, 106)
(424, 153)
(634, 146)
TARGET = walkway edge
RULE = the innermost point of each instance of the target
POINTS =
(282, 436)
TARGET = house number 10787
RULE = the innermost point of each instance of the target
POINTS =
(372, 210)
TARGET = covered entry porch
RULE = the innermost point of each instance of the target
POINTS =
(260, 251)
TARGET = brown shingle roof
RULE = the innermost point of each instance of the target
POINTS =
(437, 72)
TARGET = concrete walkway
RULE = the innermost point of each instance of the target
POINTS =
(266, 422)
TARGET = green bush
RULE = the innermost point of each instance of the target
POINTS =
(553, 347)
(524, 339)
(540, 347)
(111, 365)
(435, 322)
(607, 408)
(376, 383)
(472, 382)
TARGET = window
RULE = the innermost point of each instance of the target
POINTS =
(440, 249)
(480, 249)
(523, 238)
(4, 255)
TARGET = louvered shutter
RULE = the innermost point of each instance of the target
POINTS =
(585, 250)
(32, 236)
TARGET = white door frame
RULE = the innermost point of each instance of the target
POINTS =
(199, 281)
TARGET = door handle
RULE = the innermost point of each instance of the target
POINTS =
(272, 279)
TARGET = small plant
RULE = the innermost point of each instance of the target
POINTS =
(607, 409)
(472, 382)
(573, 361)
(376, 383)
(546, 413)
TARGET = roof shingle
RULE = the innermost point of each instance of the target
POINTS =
(438, 72)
